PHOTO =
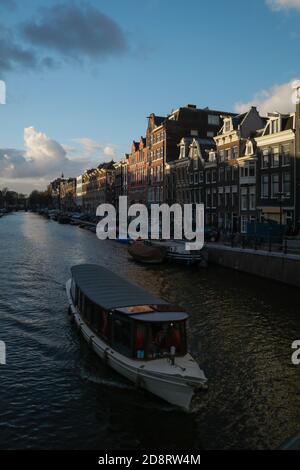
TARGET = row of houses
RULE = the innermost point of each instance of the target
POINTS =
(243, 168)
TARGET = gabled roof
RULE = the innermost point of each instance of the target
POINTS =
(106, 165)
(135, 146)
(287, 122)
(158, 120)
(238, 120)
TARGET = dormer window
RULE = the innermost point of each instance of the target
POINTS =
(212, 156)
(274, 126)
(249, 148)
(182, 151)
(227, 125)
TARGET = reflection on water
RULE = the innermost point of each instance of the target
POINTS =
(55, 393)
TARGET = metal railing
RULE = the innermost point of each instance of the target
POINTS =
(264, 243)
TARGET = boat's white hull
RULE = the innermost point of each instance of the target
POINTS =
(159, 377)
(185, 258)
(175, 251)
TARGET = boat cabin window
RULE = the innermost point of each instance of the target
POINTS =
(122, 334)
(98, 319)
(155, 340)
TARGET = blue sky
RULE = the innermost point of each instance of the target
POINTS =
(211, 53)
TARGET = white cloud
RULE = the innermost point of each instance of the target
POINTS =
(42, 160)
(278, 98)
(96, 150)
(278, 5)
(109, 151)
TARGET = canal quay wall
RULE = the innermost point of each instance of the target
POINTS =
(271, 265)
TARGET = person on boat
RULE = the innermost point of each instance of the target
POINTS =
(173, 338)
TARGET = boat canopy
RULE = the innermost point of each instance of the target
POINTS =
(161, 317)
(109, 290)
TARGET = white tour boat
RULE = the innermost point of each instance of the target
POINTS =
(138, 335)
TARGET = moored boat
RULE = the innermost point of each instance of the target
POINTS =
(140, 336)
(176, 251)
(143, 252)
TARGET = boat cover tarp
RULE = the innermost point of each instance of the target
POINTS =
(161, 316)
(107, 289)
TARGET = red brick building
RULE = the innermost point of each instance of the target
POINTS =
(163, 136)
(138, 173)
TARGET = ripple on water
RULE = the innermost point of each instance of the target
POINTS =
(55, 393)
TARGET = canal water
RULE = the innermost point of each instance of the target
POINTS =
(55, 393)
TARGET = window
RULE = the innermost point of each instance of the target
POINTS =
(200, 196)
(227, 125)
(222, 154)
(265, 186)
(227, 197)
(208, 198)
(275, 185)
(244, 171)
(210, 134)
(234, 199)
(228, 173)
(244, 221)
(208, 178)
(235, 152)
(235, 172)
(286, 159)
(201, 177)
(221, 173)
(122, 335)
(252, 198)
(214, 198)
(275, 157)
(274, 126)
(244, 201)
(252, 169)
(265, 159)
(195, 178)
(286, 183)
(213, 176)
(220, 199)
(213, 120)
